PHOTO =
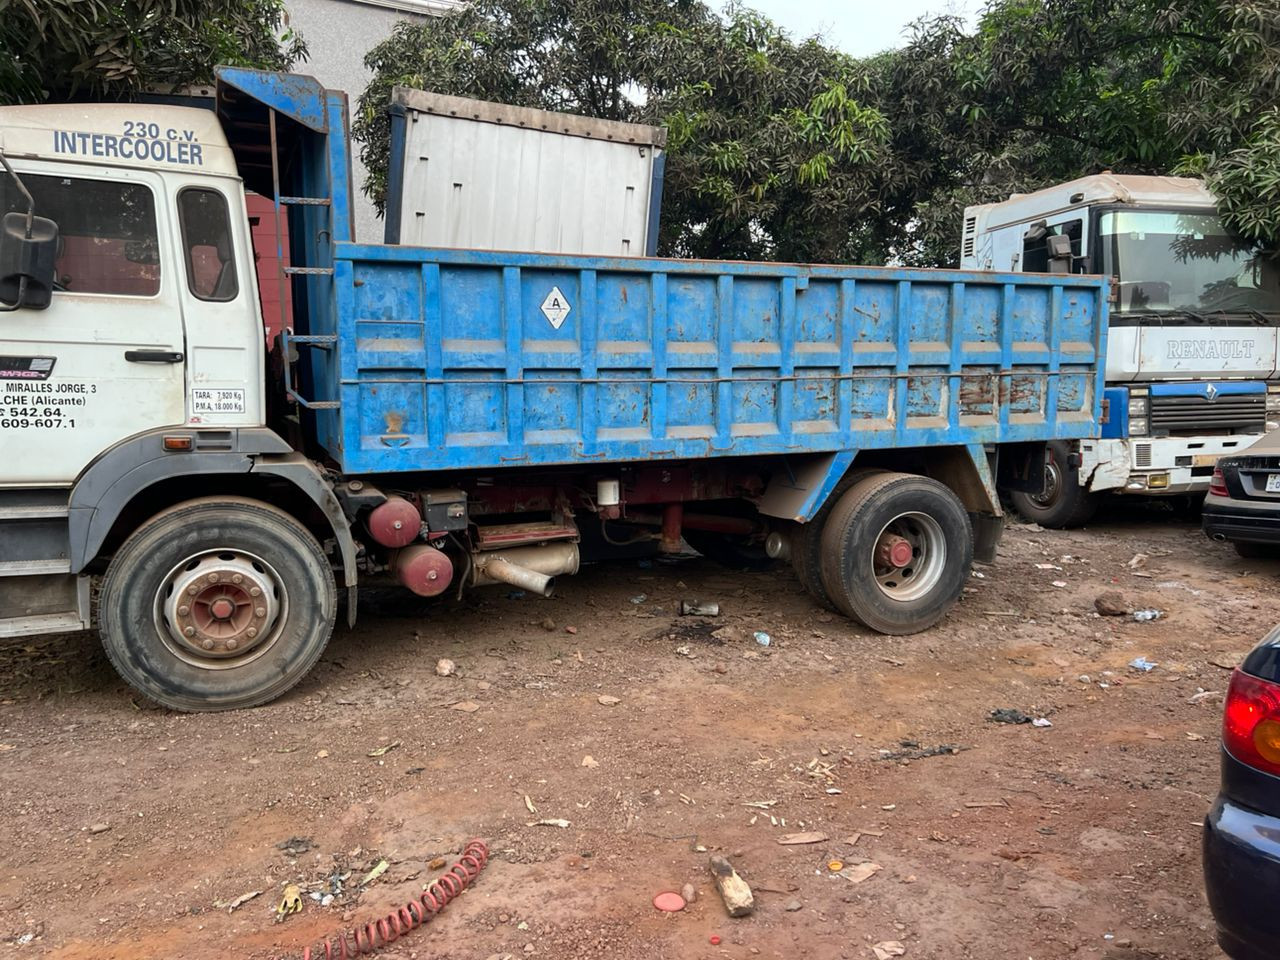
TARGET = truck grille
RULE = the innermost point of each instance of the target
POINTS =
(1193, 416)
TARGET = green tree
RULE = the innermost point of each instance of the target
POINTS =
(771, 151)
(104, 49)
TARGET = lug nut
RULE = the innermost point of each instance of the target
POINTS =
(183, 610)
(193, 590)
(213, 578)
(255, 592)
(250, 633)
(232, 644)
(190, 632)
(208, 644)
(260, 612)
(238, 578)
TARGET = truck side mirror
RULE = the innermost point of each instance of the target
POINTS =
(28, 251)
(1058, 247)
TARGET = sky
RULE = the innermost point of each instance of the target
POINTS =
(859, 27)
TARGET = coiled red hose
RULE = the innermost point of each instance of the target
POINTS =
(363, 940)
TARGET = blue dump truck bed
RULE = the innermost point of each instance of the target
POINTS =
(457, 359)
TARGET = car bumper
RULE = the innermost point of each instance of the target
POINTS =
(1227, 523)
(1242, 879)
(1157, 466)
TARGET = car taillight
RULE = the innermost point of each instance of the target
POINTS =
(1218, 484)
(1251, 722)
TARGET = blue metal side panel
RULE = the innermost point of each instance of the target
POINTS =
(448, 359)
(1117, 425)
(297, 96)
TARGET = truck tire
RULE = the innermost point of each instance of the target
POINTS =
(896, 552)
(262, 605)
(1064, 502)
(806, 550)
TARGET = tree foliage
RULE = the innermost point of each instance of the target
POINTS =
(107, 49)
(787, 149)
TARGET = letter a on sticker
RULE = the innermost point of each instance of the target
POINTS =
(555, 308)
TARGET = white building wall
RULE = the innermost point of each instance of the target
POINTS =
(339, 33)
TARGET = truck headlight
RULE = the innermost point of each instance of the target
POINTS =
(1137, 426)
(1138, 406)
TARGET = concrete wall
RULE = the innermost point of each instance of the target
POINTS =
(339, 33)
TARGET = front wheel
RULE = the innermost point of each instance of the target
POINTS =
(896, 552)
(1064, 502)
(217, 604)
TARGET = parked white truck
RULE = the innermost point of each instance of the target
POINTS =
(1192, 347)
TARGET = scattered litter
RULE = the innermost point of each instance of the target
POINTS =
(295, 846)
(562, 824)
(639, 598)
(886, 949)
(714, 940)
(528, 804)
(232, 905)
(1047, 566)
(1143, 664)
(1138, 560)
(572, 631)
(1008, 715)
(977, 574)
(466, 706)
(1085, 678)
(699, 608)
(437, 864)
(889, 806)
(384, 749)
(980, 804)
(606, 700)
(760, 804)
(1111, 605)
(684, 650)
(858, 872)
(590, 762)
(922, 752)
(1143, 616)
(290, 902)
(734, 891)
(445, 667)
(1042, 722)
(1194, 736)
(762, 638)
(375, 873)
(790, 839)
(835, 866)
(100, 828)
(1059, 583)
(321, 754)
(894, 661)
(669, 902)
(1202, 694)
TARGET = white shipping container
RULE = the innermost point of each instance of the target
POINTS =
(489, 176)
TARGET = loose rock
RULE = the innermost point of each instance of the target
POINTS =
(733, 889)
(445, 667)
(1111, 605)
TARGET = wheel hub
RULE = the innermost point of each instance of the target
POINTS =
(220, 605)
(909, 556)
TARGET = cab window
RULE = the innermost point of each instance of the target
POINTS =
(206, 244)
(1035, 249)
(107, 240)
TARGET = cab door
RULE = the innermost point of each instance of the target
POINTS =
(106, 359)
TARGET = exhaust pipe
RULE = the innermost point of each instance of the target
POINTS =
(529, 568)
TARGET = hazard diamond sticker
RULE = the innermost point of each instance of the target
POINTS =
(555, 308)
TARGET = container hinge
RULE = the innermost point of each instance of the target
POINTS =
(309, 271)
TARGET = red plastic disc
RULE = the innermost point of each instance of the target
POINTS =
(668, 901)
(715, 941)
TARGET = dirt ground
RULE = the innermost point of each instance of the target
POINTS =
(126, 825)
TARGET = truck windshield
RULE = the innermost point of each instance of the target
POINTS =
(1171, 261)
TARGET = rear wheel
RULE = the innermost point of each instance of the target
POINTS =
(896, 551)
(1064, 502)
(806, 551)
(217, 604)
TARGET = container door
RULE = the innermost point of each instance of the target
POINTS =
(105, 360)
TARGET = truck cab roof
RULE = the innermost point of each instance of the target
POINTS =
(147, 136)
(1171, 192)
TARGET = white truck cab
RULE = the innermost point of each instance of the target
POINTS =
(157, 313)
(1192, 345)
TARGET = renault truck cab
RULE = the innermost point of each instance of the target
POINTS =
(1192, 344)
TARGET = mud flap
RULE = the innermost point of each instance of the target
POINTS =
(987, 530)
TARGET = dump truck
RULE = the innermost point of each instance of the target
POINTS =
(445, 418)
(1192, 364)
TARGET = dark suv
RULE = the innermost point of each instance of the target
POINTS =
(1242, 831)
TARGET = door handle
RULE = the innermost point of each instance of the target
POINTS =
(153, 356)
